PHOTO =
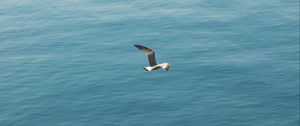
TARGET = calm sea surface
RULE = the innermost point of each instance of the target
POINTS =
(73, 63)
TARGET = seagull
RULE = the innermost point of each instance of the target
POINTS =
(152, 61)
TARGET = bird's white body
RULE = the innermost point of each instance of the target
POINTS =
(164, 66)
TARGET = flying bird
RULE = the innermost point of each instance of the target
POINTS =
(151, 57)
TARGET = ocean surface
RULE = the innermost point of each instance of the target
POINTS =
(73, 63)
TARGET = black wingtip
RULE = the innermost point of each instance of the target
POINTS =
(139, 47)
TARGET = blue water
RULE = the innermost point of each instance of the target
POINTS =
(73, 63)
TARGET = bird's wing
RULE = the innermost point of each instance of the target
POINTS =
(149, 53)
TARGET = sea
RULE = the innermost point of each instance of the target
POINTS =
(73, 63)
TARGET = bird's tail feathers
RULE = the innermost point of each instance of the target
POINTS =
(148, 68)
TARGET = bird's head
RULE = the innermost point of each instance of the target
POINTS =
(166, 66)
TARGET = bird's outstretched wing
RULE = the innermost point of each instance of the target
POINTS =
(149, 53)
